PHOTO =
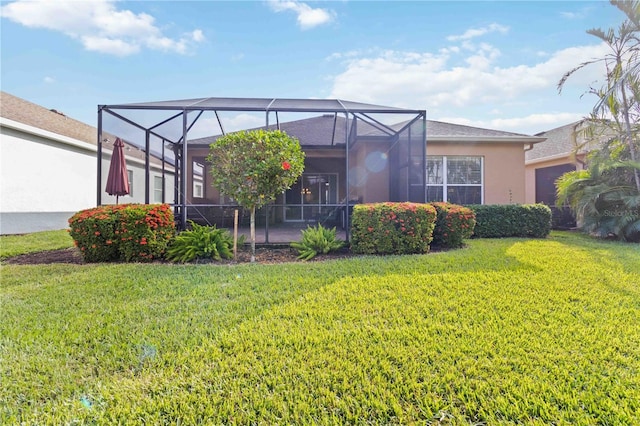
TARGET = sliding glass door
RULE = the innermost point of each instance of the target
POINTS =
(310, 197)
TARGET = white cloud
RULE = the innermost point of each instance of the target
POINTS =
(530, 124)
(420, 80)
(308, 17)
(197, 35)
(451, 82)
(49, 80)
(477, 32)
(243, 122)
(99, 25)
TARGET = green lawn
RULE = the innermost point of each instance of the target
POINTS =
(509, 331)
(13, 245)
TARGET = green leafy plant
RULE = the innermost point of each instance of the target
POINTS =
(317, 240)
(603, 198)
(454, 224)
(254, 167)
(392, 228)
(200, 242)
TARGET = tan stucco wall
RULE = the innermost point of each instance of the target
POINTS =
(370, 182)
(504, 171)
(504, 180)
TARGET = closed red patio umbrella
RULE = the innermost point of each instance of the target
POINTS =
(118, 179)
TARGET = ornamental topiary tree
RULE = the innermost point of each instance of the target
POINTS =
(253, 167)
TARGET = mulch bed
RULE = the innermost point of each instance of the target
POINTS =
(263, 255)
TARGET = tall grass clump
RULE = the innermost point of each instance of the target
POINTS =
(317, 240)
(199, 243)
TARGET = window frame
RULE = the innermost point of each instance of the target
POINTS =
(158, 189)
(445, 185)
(130, 177)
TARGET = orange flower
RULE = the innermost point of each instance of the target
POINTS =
(286, 165)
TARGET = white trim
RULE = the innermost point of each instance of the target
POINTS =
(486, 139)
(553, 158)
(47, 134)
(56, 137)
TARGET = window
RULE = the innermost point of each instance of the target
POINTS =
(198, 179)
(455, 179)
(157, 189)
(130, 176)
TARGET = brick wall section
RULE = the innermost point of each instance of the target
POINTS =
(25, 112)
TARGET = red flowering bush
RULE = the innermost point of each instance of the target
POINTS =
(392, 228)
(144, 231)
(128, 232)
(454, 224)
(93, 232)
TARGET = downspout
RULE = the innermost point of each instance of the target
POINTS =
(146, 166)
(424, 154)
(183, 173)
(347, 225)
(99, 177)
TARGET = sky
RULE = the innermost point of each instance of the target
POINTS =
(490, 64)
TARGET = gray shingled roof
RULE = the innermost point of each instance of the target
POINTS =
(25, 112)
(439, 129)
(317, 131)
(314, 131)
(22, 111)
(561, 141)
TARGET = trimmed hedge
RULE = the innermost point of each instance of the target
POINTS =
(454, 224)
(512, 220)
(392, 228)
(125, 232)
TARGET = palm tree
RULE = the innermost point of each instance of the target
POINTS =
(603, 197)
(619, 99)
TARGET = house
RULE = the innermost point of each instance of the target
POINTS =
(564, 150)
(355, 153)
(48, 167)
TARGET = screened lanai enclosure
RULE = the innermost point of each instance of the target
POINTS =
(354, 153)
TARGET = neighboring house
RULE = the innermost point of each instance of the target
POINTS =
(564, 150)
(48, 168)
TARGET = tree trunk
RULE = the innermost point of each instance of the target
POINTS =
(253, 234)
(629, 135)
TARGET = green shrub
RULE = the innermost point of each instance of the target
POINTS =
(201, 242)
(94, 233)
(317, 240)
(129, 232)
(512, 220)
(145, 231)
(392, 228)
(454, 224)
